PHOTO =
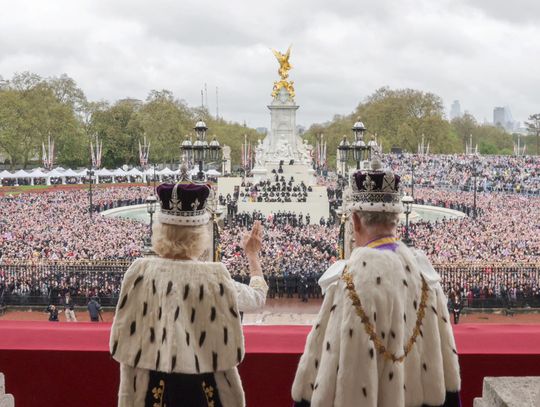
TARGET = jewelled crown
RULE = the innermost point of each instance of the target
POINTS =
(183, 204)
(376, 190)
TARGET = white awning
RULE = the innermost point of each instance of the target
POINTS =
(5, 174)
(104, 172)
(70, 173)
(37, 173)
(134, 172)
(213, 172)
(55, 174)
(119, 172)
(21, 174)
(166, 171)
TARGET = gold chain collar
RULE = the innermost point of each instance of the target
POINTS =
(368, 326)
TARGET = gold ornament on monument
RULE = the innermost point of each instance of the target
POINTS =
(284, 68)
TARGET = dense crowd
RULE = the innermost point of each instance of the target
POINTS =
(508, 285)
(493, 173)
(48, 283)
(56, 225)
(280, 190)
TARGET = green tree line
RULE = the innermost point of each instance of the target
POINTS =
(399, 118)
(33, 108)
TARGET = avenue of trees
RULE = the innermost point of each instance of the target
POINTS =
(33, 108)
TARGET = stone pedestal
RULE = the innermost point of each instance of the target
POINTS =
(6, 400)
(510, 392)
(259, 174)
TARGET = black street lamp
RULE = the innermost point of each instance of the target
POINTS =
(151, 202)
(187, 150)
(359, 146)
(359, 149)
(90, 174)
(407, 205)
(200, 150)
(343, 153)
(475, 166)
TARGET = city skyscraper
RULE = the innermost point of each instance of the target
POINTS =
(502, 117)
(455, 110)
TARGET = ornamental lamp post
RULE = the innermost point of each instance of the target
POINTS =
(90, 174)
(343, 152)
(187, 149)
(215, 150)
(200, 147)
(475, 167)
(151, 202)
(407, 205)
(359, 146)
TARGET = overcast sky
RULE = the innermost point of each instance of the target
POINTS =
(485, 53)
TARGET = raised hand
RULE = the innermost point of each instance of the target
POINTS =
(252, 242)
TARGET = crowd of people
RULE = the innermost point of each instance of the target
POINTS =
(278, 191)
(506, 228)
(519, 174)
(502, 226)
(484, 286)
(57, 225)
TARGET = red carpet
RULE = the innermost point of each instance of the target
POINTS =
(49, 364)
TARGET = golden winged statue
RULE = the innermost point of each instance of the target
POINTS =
(284, 65)
(284, 68)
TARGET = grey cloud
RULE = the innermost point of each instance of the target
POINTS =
(342, 51)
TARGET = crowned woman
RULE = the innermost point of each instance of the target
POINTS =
(177, 331)
(383, 336)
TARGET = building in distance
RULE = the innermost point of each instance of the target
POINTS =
(455, 110)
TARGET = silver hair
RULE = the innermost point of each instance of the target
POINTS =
(180, 241)
(379, 218)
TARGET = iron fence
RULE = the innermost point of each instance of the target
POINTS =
(36, 284)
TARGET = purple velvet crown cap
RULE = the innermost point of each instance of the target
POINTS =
(188, 194)
(377, 179)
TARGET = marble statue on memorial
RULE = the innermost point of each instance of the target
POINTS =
(259, 152)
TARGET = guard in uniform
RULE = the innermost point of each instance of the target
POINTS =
(383, 336)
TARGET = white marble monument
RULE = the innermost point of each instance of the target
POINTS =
(282, 145)
(282, 142)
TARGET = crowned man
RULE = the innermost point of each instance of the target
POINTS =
(383, 336)
(177, 331)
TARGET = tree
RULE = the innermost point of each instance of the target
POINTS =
(464, 126)
(30, 112)
(398, 118)
(533, 127)
(165, 121)
(119, 129)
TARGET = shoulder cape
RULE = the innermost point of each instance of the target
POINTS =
(177, 316)
(341, 366)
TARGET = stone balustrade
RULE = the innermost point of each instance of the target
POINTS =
(510, 392)
(6, 400)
